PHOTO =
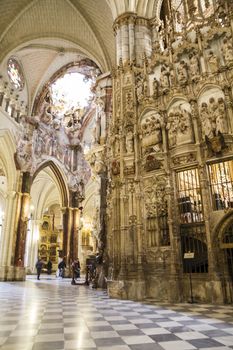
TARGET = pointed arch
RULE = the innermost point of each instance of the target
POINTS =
(60, 177)
(7, 144)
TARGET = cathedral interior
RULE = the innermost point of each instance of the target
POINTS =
(116, 139)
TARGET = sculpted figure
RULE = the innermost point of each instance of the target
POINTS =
(213, 62)
(24, 153)
(46, 114)
(194, 67)
(129, 142)
(213, 109)
(221, 120)
(184, 130)
(156, 131)
(164, 78)
(155, 88)
(172, 129)
(182, 73)
(205, 121)
(227, 50)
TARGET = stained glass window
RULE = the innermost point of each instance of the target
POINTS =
(15, 73)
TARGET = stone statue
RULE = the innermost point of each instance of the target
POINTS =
(194, 67)
(213, 62)
(182, 73)
(24, 153)
(172, 129)
(227, 50)
(164, 78)
(129, 141)
(184, 129)
(213, 110)
(155, 88)
(73, 133)
(205, 121)
(221, 119)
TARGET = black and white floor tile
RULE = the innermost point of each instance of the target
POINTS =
(51, 314)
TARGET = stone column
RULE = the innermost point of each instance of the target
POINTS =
(133, 38)
(22, 227)
(74, 221)
(66, 232)
(6, 244)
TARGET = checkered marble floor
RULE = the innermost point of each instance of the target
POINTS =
(51, 314)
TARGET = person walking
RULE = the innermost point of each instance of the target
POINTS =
(39, 266)
(75, 270)
(61, 267)
(49, 267)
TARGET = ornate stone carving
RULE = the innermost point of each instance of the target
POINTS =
(216, 144)
(24, 152)
(129, 140)
(184, 159)
(213, 61)
(227, 50)
(152, 163)
(213, 117)
(164, 78)
(179, 126)
(182, 73)
(194, 66)
(155, 88)
(151, 131)
(115, 167)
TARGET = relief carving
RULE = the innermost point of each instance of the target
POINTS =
(151, 131)
(227, 50)
(213, 117)
(179, 126)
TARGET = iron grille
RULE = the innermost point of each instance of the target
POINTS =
(164, 229)
(221, 182)
(189, 196)
(193, 239)
(152, 229)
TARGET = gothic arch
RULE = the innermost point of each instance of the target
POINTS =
(221, 228)
(7, 158)
(60, 177)
(207, 88)
(175, 99)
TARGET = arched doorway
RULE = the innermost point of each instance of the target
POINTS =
(45, 226)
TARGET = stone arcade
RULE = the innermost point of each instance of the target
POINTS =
(143, 173)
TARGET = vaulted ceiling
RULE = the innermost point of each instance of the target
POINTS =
(47, 34)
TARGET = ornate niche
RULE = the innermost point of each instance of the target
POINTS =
(179, 124)
(151, 140)
(214, 120)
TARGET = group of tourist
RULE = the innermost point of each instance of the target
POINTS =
(61, 268)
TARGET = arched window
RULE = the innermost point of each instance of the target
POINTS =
(15, 73)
